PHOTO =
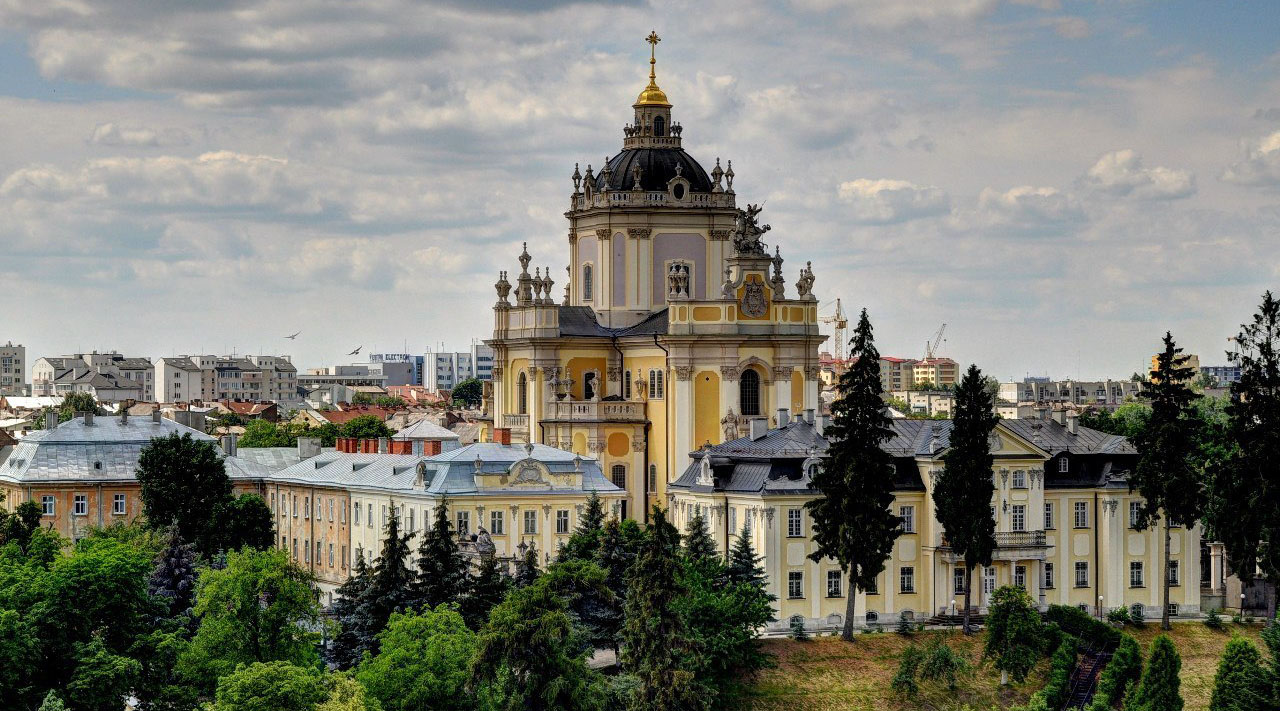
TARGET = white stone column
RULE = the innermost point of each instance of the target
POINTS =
(781, 389)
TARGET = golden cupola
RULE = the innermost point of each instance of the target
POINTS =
(652, 95)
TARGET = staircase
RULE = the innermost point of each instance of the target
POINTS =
(1084, 679)
(943, 619)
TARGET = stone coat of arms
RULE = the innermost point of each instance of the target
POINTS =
(754, 303)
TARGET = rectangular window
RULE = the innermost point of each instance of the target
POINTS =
(1048, 576)
(319, 553)
(369, 518)
(1135, 510)
(834, 579)
(1019, 519)
(988, 580)
(344, 551)
(306, 550)
(907, 514)
(1019, 479)
(626, 386)
(1082, 574)
(330, 555)
(329, 506)
(411, 521)
(46, 505)
(118, 504)
(463, 523)
(530, 522)
(306, 507)
(1173, 609)
(1081, 514)
(1173, 572)
(80, 505)
(562, 521)
(295, 549)
(653, 477)
(355, 514)
(1020, 576)
(733, 520)
(795, 584)
(874, 588)
(343, 517)
(957, 577)
(495, 523)
(656, 385)
(1135, 574)
(1063, 465)
(907, 580)
(795, 524)
(319, 509)
(1048, 516)
(294, 508)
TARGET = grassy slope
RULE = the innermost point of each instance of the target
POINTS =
(827, 674)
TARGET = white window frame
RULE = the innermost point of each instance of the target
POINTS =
(1080, 514)
(1174, 572)
(119, 504)
(462, 522)
(562, 521)
(1135, 508)
(988, 580)
(1020, 576)
(497, 526)
(795, 523)
(907, 514)
(957, 580)
(1018, 518)
(1064, 466)
(48, 505)
(907, 580)
(1048, 516)
(1019, 479)
(1082, 566)
(1137, 577)
(1048, 576)
(795, 585)
(530, 523)
(835, 583)
(657, 384)
(79, 504)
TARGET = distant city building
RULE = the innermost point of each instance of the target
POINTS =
(931, 403)
(1193, 362)
(1098, 393)
(1222, 374)
(444, 370)
(416, 363)
(348, 375)
(394, 372)
(261, 378)
(13, 367)
(108, 377)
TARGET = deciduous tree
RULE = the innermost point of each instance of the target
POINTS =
(1015, 634)
(423, 662)
(852, 523)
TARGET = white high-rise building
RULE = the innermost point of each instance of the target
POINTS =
(13, 366)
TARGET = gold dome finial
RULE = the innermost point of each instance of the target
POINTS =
(652, 95)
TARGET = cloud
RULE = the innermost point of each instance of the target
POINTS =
(1122, 174)
(885, 201)
(1261, 165)
(1071, 27)
(890, 14)
(1029, 207)
(111, 134)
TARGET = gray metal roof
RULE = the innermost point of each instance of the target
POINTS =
(422, 429)
(273, 458)
(581, 321)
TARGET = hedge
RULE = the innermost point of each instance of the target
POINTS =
(1086, 627)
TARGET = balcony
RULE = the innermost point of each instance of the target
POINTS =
(594, 411)
(1010, 546)
(516, 422)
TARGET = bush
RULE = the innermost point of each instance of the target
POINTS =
(1137, 616)
(1119, 616)
(1213, 621)
(798, 632)
(1078, 623)
(1124, 670)
(1061, 665)
(905, 628)
(904, 682)
(941, 663)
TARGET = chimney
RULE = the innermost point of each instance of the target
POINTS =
(808, 415)
(383, 445)
(308, 447)
(369, 446)
(417, 447)
(155, 416)
(124, 416)
(1071, 422)
(1060, 416)
(760, 427)
(51, 419)
(784, 417)
(502, 435)
(229, 445)
(1041, 412)
(88, 419)
(432, 447)
(196, 419)
(824, 421)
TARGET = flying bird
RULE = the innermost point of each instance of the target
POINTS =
(293, 336)
(356, 351)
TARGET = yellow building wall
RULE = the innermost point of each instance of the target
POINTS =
(706, 397)
(797, 391)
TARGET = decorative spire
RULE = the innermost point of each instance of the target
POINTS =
(778, 282)
(577, 178)
(547, 283)
(728, 174)
(652, 95)
(716, 174)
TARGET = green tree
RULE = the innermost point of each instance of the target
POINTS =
(347, 694)
(531, 658)
(184, 482)
(52, 703)
(852, 523)
(443, 572)
(1245, 509)
(657, 646)
(698, 546)
(349, 643)
(488, 587)
(469, 392)
(270, 686)
(1015, 633)
(262, 433)
(583, 586)
(1123, 672)
(527, 571)
(423, 662)
(1166, 474)
(327, 432)
(744, 565)
(102, 678)
(586, 537)
(260, 608)
(1159, 689)
(365, 427)
(390, 584)
(619, 545)
(962, 494)
(17, 526)
(724, 620)
(173, 581)
(1241, 684)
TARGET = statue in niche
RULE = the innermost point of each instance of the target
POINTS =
(747, 232)
(678, 281)
(730, 425)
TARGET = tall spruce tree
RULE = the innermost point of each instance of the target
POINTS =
(527, 567)
(698, 545)
(1166, 475)
(963, 491)
(1160, 688)
(349, 644)
(656, 645)
(619, 544)
(585, 540)
(852, 523)
(443, 572)
(744, 565)
(1241, 683)
(488, 587)
(1245, 505)
(174, 579)
(390, 583)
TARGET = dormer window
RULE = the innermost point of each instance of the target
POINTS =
(1063, 465)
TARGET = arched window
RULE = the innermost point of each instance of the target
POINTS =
(659, 126)
(522, 394)
(586, 282)
(749, 392)
(619, 475)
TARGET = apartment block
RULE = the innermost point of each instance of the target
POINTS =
(1098, 393)
(13, 360)
(109, 377)
(445, 369)
(259, 378)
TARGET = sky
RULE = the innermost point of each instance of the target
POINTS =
(1059, 182)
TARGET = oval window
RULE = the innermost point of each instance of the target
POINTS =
(678, 191)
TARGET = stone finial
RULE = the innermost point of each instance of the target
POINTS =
(537, 285)
(728, 174)
(547, 283)
(568, 275)
(804, 285)
(503, 288)
(777, 282)
(726, 290)
(524, 258)
(606, 175)
(716, 174)
(577, 179)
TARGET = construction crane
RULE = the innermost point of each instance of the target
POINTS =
(931, 347)
(842, 324)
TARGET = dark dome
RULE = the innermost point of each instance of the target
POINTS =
(657, 166)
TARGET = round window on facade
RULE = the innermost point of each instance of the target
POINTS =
(678, 191)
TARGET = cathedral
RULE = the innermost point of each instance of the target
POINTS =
(676, 326)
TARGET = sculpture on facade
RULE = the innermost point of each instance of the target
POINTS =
(804, 285)
(748, 231)
(730, 425)
(485, 547)
(726, 289)
(678, 281)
